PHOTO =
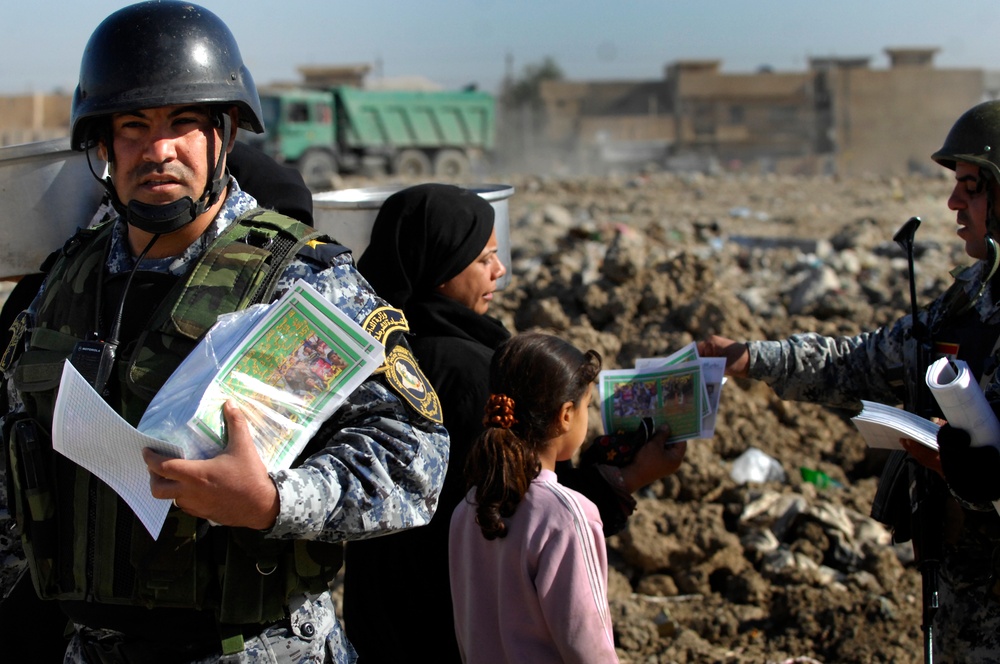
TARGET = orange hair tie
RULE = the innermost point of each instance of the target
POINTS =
(499, 412)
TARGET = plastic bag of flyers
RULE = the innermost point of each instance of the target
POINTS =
(288, 365)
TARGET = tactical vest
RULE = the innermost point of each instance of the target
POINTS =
(82, 541)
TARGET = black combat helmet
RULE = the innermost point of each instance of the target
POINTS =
(162, 53)
(974, 138)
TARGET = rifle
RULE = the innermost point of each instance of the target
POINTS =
(925, 489)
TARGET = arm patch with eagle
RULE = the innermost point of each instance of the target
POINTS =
(400, 369)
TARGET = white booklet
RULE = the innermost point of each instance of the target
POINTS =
(289, 365)
(882, 426)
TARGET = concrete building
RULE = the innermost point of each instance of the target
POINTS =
(839, 115)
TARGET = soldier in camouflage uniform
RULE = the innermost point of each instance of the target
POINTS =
(162, 90)
(963, 323)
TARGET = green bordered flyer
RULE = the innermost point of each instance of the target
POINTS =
(681, 390)
(289, 373)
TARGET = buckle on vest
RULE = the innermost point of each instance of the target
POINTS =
(258, 238)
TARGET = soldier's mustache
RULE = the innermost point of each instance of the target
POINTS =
(172, 171)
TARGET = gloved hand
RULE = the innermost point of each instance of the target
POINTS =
(973, 473)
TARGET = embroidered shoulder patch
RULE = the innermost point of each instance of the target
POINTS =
(384, 321)
(405, 378)
(17, 330)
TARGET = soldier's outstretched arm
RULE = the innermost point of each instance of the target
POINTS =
(737, 355)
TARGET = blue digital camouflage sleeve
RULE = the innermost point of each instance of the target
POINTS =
(840, 371)
(381, 465)
(834, 371)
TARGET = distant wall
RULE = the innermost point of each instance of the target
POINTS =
(37, 117)
(891, 121)
(837, 116)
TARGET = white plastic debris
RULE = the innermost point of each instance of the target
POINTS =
(756, 466)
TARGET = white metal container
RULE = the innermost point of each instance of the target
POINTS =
(347, 215)
(46, 192)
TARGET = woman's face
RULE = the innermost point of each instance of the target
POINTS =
(474, 285)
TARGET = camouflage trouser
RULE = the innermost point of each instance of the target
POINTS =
(967, 622)
(312, 635)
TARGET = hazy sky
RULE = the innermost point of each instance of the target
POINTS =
(456, 42)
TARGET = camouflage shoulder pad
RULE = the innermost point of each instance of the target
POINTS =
(400, 369)
(74, 242)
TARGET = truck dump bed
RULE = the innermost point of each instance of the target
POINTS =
(405, 119)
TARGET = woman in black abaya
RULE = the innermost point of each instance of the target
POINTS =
(433, 254)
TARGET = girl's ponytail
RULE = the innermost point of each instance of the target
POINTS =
(531, 376)
(503, 466)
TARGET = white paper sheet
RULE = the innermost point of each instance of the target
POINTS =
(90, 433)
(962, 401)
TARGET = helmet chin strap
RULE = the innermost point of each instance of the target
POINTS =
(161, 219)
(992, 258)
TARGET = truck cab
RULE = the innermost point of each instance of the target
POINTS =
(299, 129)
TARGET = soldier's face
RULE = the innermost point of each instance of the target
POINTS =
(970, 200)
(163, 154)
(474, 285)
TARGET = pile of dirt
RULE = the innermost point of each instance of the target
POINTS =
(708, 570)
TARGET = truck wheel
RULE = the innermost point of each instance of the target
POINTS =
(318, 168)
(412, 163)
(452, 164)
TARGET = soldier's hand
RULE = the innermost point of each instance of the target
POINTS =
(736, 353)
(973, 473)
(654, 460)
(231, 489)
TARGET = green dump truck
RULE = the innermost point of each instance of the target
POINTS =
(345, 129)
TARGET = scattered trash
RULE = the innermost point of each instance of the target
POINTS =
(756, 466)
(819, 478)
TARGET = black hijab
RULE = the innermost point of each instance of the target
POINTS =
(422, 237)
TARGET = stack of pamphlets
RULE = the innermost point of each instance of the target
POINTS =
(288, 365)
(681, 390)
(882, 426)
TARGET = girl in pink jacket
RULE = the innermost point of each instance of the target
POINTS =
(527, 557)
